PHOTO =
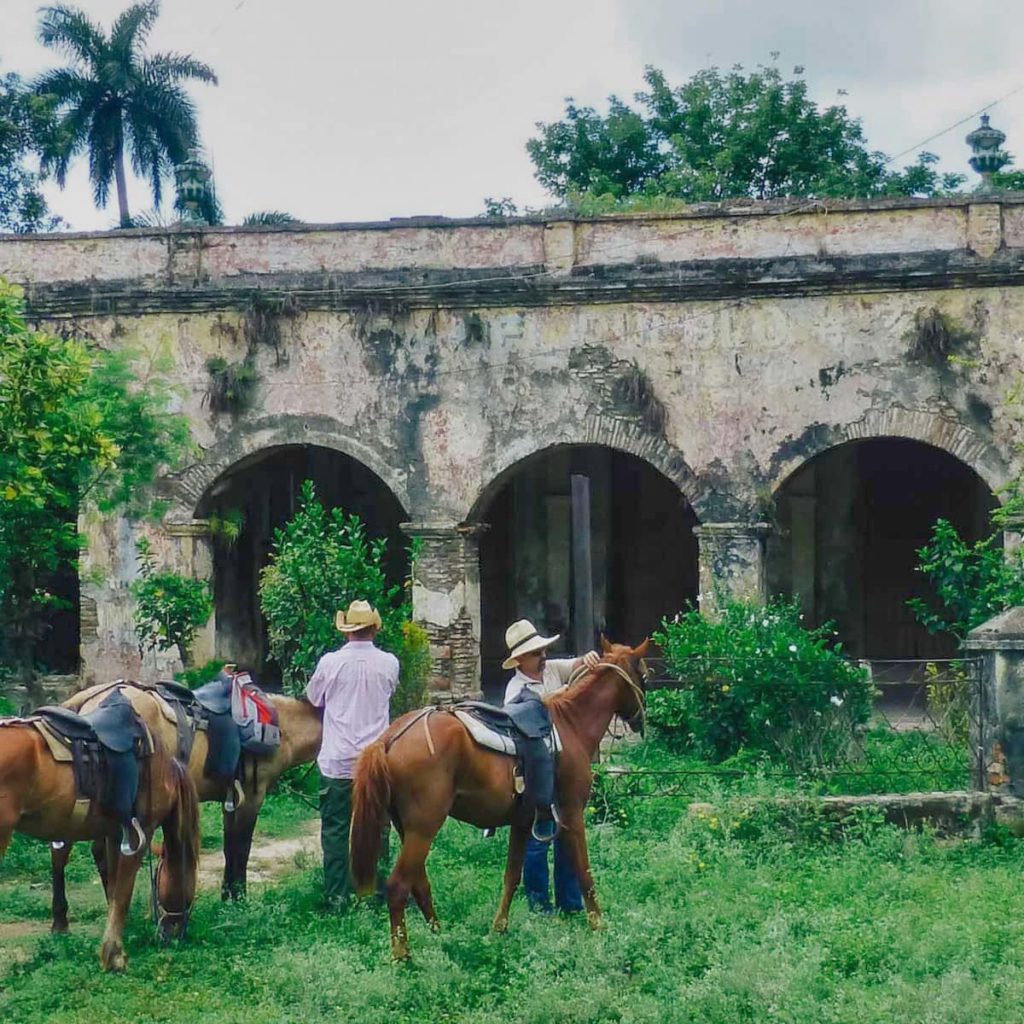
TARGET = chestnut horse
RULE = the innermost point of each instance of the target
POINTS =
(301, 729)
(37, 798)
(420, 776)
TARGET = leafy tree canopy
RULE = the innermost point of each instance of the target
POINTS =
(26, 125)
(720, 135)
(82, 428)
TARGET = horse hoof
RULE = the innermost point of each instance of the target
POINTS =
(113, 959)
(59, 928)
(435, 926)
(595, 922)
(500, 925)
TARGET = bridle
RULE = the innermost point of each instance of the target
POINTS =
(638, 688)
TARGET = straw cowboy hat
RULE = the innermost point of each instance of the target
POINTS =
(360, 615)
(521, 638)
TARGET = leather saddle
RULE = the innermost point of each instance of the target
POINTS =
(207, 708)
(106, 746)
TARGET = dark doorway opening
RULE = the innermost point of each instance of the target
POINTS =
(265, 490)
(643, 551)
(850, 523)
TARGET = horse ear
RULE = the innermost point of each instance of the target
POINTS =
(605, 645)
(641, 651)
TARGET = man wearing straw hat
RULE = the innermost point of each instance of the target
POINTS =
(353, 685)
(534, 677)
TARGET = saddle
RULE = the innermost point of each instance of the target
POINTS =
(523, 731)
(106, 746)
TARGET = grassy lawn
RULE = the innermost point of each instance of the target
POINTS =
(743, 912)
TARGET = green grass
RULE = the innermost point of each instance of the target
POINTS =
(747, 912)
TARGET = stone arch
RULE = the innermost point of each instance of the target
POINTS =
(939, 431)
(187, 490)
(608, 431)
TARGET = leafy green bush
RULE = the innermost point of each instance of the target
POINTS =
(415, 660)
(321, 561)
(193, 677)
(972, 582)
(169, 607)
(755, 679)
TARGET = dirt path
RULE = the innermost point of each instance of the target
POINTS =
(269, 859)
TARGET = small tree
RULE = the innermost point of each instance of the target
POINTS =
(169, 608)
(321, 561)
(82, 428)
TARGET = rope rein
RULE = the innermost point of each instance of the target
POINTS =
(638, 692)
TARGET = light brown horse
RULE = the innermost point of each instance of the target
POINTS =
(301, 728)
(420, 780)
(37, 798)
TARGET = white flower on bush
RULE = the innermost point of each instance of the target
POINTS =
(792, 648)
(836, 699)
(764, 622)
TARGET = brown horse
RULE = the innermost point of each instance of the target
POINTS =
(37, 798)
(301, 729)
(420, 776)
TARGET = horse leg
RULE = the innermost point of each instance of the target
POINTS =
(119, 897)
(99, 858)
(238, 830)
(425, 900)
(409, 868)
(59, 857)
(575, 840)
(517, 838)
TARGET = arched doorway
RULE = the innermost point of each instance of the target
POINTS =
(849, 524)
(264, 489)
(643, 551)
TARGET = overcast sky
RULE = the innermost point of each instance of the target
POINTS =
(337, 111)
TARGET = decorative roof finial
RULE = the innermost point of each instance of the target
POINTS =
(192, 177)
(988, 158)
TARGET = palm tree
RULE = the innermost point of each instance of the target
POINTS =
(113, 97)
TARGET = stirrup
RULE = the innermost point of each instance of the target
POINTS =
(235, 797)
(542, 833)
(126, 841)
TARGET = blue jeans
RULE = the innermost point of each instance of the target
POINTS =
(535, 877)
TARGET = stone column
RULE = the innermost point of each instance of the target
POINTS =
(997, 714)
(732, 563)
(446, 600)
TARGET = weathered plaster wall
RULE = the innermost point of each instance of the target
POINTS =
(440, 354)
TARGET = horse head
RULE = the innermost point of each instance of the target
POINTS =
(629, 664)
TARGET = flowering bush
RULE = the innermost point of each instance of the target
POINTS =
(755, 679)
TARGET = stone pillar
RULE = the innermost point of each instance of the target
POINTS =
(446, 600)
(997, 717)
(732, 563)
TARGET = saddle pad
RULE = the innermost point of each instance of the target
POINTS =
(492, 740)
(59, 750)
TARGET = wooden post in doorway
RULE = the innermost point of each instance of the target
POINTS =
(582, 573)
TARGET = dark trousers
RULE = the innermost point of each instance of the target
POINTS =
(335, 826)
(535, 877)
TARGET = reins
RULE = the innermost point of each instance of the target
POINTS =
(638, 692)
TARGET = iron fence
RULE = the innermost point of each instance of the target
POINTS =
(924, 733)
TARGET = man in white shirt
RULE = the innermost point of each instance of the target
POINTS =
(353, 685)
(538, 676)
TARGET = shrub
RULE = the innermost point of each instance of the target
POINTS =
(414, 656)
(169, 607)
(321, 561)
(755, 679)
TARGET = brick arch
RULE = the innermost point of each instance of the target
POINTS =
(187, 489)
(607, 431)
(942, 432)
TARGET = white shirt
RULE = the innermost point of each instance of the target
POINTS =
(353, 685)
(555, 675)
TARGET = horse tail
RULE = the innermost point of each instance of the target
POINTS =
(371, 795)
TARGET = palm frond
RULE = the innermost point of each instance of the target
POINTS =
(104, 139)
(269, 218)
(132, 27)
(177, 67)
(70, 31)
(64, 86)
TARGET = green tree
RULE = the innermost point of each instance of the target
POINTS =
(26, 124)
(82, 428)
(169, 608)
(114, 98)
(972, 582)
(321, 561)
(720, 135)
